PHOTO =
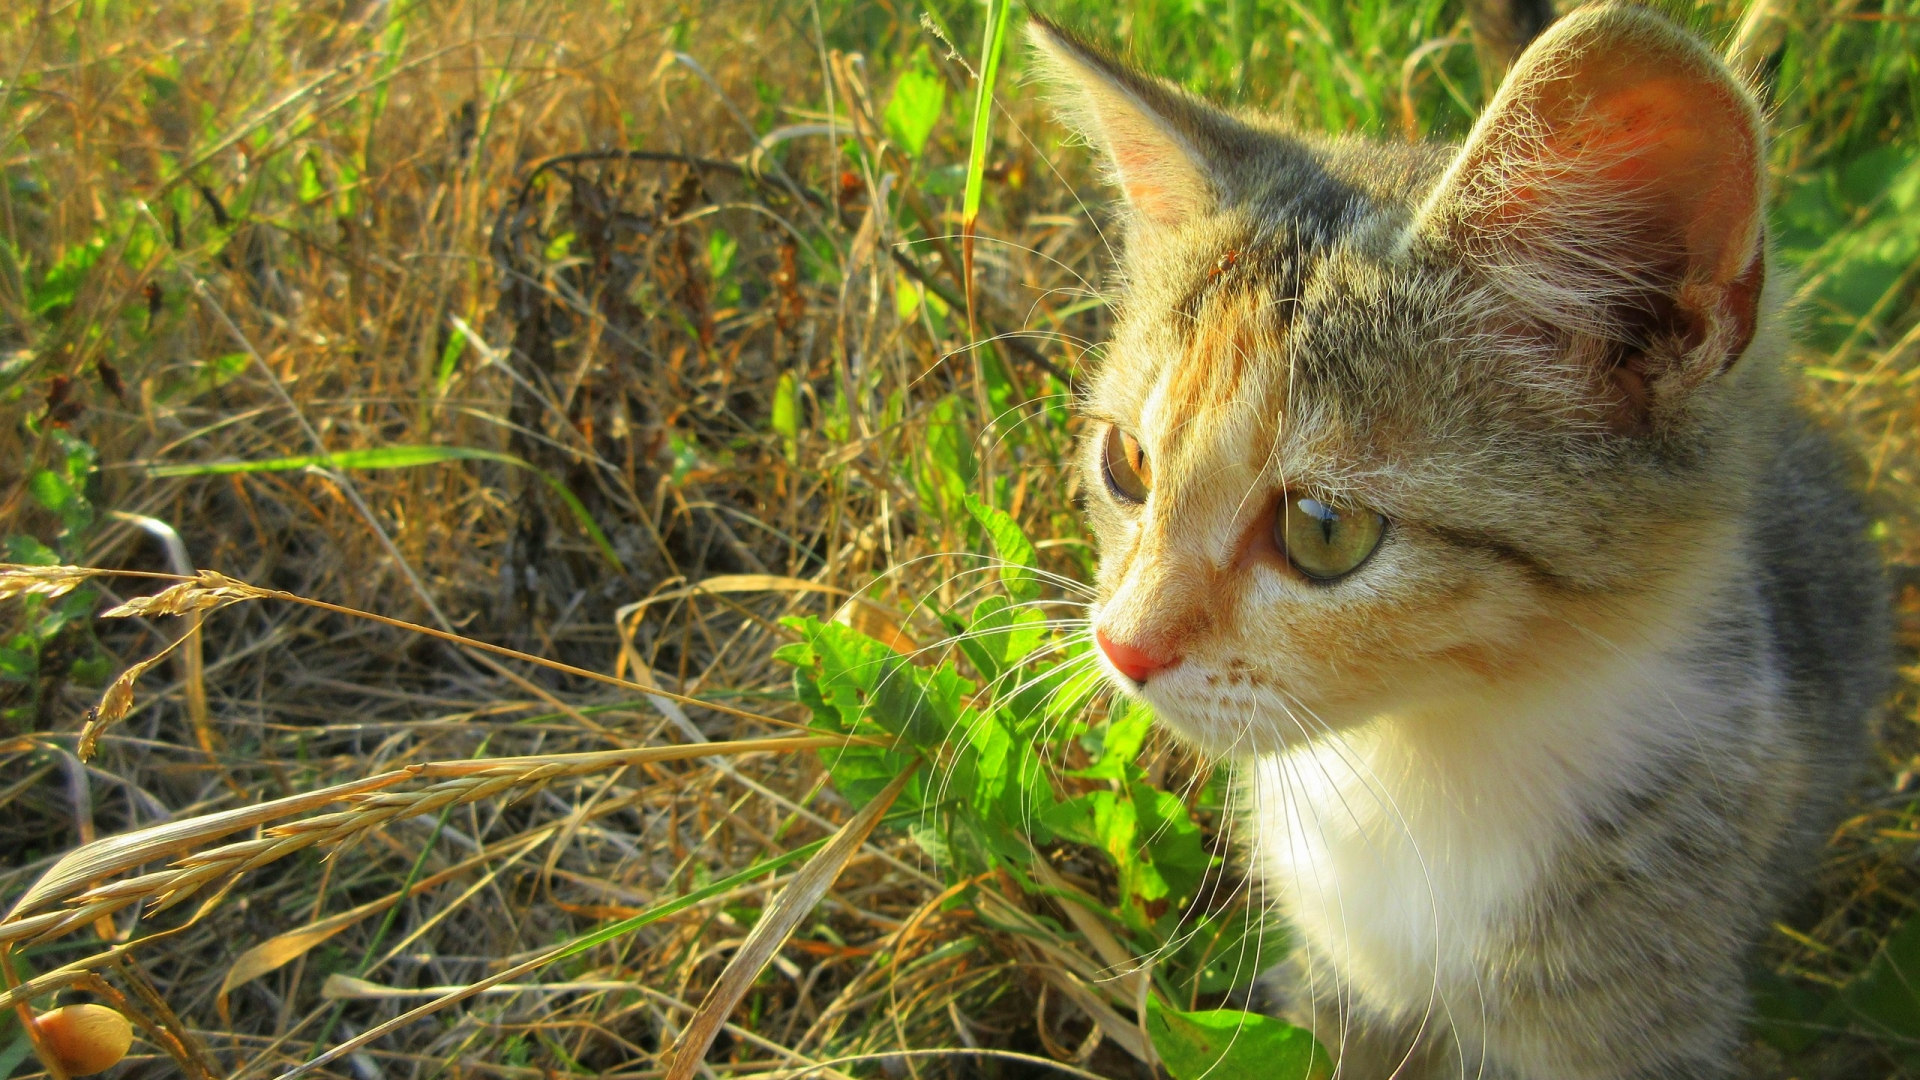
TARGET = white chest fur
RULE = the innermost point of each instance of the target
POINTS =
(1404, 849)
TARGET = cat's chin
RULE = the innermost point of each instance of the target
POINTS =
(1242, 725)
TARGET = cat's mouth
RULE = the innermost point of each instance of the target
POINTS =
(1221, 714)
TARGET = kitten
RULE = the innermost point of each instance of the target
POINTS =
(1458, 494)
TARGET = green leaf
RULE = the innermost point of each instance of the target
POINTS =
(17, 665)
(786, 412)
(1788, 1015)
(1098, 819)
(312, 187)
(15, 1053)
(62, 283)
(919, 97)
(838, 674)
(721, 248)
(1227, 949)
(219, 371)
(27, 551)
(1887, 995)
(346, 192)
(947, 465)
(1017, 558)
(1119, 743)
(933, 842)
(1172, 840)
(402, 457)
(1069, 697)
(920, 708)
(51, 490)
(449, 359)
(1227, 1044)
(1000, 635)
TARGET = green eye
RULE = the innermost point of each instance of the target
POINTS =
(1325, 542)
(1129, 474)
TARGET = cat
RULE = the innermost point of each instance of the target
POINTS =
(1458, 496)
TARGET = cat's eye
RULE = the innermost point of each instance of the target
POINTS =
(1129, 473)
(1324, 541)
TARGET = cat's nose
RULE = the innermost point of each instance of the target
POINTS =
(1135, 663)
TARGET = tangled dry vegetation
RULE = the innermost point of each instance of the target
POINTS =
(611, 336)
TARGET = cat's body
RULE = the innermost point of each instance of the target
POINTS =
(1458, 495)
(1566, 882)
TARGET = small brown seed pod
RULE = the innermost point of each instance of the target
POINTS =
(86, 1038)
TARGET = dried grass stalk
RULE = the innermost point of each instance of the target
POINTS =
(471, 781)
(775, 926)
(117, 701)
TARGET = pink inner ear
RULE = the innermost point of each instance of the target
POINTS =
(1161, 186)
(1682, 144)
(1674, 151)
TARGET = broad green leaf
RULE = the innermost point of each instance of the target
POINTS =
(1075, 692)
(346, 192)
(933, 842)
(1227, 1044)
(1790, 1016)
(836, 671)
(219, 371)
(919, 97)
(16, 1052)
(17, 665)
(1225, 949)
(51, 490)
(1017, 559)
(921, 708)
(1117, 745)
(24, 549)
(1172, 840)
(402, 457)
(989, 745)
(906, 296)
(1047, 703)
(1886, 997)
(999, 636)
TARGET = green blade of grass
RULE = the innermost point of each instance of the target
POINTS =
(996, 34)
(402, 457)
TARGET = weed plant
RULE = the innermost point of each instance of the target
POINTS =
(661, 373)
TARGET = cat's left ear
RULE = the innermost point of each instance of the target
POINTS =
(1614, 189)
(1168, 150)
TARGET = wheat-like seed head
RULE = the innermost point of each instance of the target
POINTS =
(461, 782)
(47, 581)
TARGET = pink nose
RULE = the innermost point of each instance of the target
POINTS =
(1136, 664)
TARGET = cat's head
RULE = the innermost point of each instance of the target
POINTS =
(1385, 427)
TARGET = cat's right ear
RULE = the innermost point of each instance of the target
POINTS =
(1163, 146)
(1614, 188)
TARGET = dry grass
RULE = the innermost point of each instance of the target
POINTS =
(609, 251)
